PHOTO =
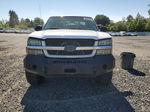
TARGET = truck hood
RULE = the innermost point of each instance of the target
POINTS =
(69, 34)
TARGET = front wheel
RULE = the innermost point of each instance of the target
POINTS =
(33, 79)
(104, 79)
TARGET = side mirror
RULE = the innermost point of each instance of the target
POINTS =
(38, 28)
(102, 28)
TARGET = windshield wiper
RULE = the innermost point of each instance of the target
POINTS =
(66, 28)
(53, 28)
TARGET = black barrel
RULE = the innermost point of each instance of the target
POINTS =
(127, 60)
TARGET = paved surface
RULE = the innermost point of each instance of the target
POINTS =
(128, 92)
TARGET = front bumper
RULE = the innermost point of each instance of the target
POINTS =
(92, 66)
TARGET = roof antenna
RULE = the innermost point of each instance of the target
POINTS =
(39, 9)
(39, 6)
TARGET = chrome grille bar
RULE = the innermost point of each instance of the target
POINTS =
(63, 48)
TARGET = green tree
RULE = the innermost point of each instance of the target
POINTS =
(131, 24)
(120, 26)
(140, 23)
(13, 18)
(130, 18)
(38, 21)
(102, 19)
(22, 21)
(27, 23)
(149, 12)
(21, 24)
(4, 24)
(111, 26)
(147, 26)
(32, 24)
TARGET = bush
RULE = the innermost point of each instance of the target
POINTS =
(21, 27)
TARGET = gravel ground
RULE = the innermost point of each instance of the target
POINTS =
(128, 92)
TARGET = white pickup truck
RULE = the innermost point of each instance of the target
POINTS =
(69, 46)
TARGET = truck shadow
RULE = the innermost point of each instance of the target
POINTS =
(75, 95)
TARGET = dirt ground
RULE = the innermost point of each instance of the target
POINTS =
(129, 91)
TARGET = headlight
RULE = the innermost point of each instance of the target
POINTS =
(107, 51)
(34, 42)
(34, 51)
(105, 42)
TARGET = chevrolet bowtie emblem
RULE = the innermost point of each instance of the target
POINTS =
(70, 48)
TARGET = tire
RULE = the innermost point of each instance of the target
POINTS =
(104, 79)
(33, 79)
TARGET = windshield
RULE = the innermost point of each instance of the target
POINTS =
(79, 23)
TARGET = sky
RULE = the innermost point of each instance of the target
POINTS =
(114, 9)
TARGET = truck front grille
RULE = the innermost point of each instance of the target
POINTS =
(72, 42)
(63, 42)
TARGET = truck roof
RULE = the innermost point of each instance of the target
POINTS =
(71, 16)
